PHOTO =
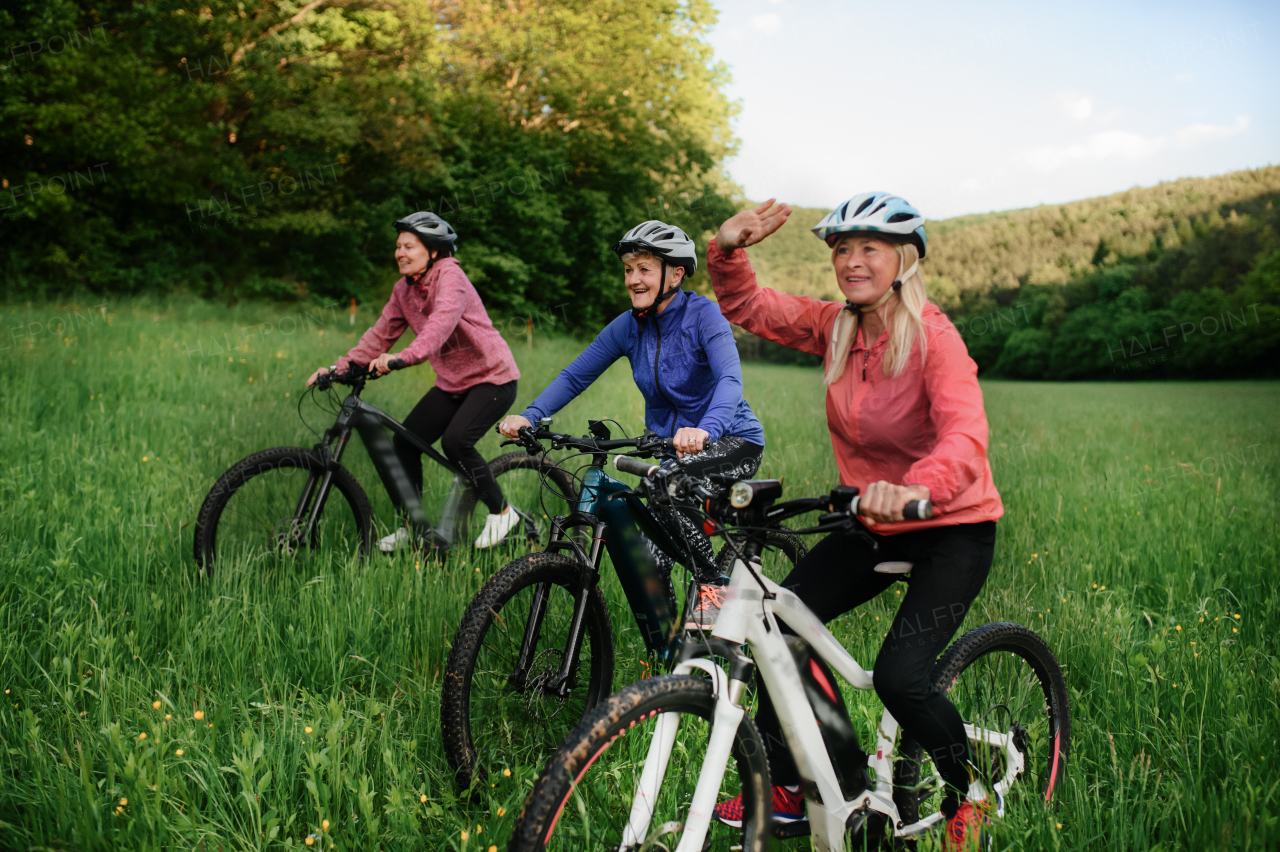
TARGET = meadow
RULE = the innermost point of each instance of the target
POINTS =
(282, 706)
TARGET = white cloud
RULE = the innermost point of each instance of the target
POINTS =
(1075, 105)
(1194, 134)
(767, 24)
(1121, 144)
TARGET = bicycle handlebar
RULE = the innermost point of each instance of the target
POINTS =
(627, 464)
(355, 374)
(651, 445)
(916, 510)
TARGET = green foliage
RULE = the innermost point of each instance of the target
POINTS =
(1205, 307)
(1127, 516)
(1039, 245)
(250, 149)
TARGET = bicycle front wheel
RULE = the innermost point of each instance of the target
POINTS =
(504, 700)
(783, 551)
(258, 509)
(1009, 689)
(588, 796)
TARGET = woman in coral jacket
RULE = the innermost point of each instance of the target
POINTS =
(907, 423)
(475, 371)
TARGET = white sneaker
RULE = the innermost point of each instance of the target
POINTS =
(398, 539)
(496, 527)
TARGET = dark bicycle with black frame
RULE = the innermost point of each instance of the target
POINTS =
(282, 501)
(534, 652)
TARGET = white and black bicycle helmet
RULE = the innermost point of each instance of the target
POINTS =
(434, 232)
(664, 241)
(670, 245)
(875, 212)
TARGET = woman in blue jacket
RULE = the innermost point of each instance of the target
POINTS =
(685, 363)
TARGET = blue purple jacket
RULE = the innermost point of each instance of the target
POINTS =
(684, 362)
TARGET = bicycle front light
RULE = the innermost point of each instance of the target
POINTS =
(740, 495)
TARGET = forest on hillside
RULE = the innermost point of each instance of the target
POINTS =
(1177, 280)
(246, 149)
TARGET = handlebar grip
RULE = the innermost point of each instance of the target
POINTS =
(918, 510)
(626, 464)
(670, 444)
(396, 363)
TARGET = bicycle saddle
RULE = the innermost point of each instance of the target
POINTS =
(893, 568)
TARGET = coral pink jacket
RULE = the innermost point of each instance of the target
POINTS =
(453, 331)
(924, 427)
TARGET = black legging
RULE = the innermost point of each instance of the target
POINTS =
(730, 456)
(457, 421)
(950, 566)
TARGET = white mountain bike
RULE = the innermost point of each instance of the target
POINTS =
(645, 769)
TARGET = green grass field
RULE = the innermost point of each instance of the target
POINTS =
(148, 709)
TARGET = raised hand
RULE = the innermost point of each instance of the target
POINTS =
(751, 226)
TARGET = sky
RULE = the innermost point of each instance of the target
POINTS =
(973, 107)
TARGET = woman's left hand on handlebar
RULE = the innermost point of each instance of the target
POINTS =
(512, 424)
(689, 440)
(382, 364)
(882, 502)
(311, 380)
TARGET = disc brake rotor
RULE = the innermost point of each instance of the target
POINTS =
(545, 672)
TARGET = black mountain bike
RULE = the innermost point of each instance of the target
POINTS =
(290, 499)
(534, 652)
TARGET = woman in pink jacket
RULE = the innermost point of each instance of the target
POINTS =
(907, 423)
(475, 371)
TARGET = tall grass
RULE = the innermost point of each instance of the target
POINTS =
(271, 704)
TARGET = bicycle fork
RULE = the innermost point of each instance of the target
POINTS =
(724, 730)
(562, 684)
(315, 492)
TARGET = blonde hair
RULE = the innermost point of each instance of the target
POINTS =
(905, 320)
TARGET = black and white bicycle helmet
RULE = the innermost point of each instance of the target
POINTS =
(876, 212)
(434, 232)
(669, 244)
(661, 240)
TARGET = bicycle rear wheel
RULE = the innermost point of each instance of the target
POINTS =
(1005, 680)
(536, 487)
(584, 798)
(493, 713)
(255, 510)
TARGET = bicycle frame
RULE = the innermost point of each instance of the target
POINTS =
(371, 423)
(750, 615)
(615, 515)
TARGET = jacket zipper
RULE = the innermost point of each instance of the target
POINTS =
(675, 412)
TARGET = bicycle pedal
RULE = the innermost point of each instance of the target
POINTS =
(788, 830)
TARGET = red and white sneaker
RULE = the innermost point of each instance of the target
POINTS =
(705, 612)
(964, 830)
(788, 806)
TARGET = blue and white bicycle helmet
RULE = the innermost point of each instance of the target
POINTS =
(876, 212)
